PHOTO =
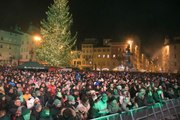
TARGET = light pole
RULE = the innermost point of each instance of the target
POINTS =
(36, 41)
(128, 54)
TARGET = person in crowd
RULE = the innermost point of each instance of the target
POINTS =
(36, 111)
(61, 95)
(126, 105)
(101, 105)
(84, 106)
(113, 106)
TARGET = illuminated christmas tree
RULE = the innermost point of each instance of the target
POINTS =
(57, 38)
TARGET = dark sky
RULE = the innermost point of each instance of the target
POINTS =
(150, 20)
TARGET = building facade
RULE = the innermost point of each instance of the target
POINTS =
(16, 47)
(170, 55)
(109, 55)
(10, 43)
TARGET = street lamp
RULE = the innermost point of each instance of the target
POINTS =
(128, 54)
(130, 42)
(36, 40)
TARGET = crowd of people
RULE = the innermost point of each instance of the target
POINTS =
(80, 95)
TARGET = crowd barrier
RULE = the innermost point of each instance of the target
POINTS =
(168, 110)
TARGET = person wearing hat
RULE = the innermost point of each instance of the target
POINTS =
(36, 111)
(59, 95)
(39, 97)
(70, 101)
(101, 105)
(25, 114)
(55, 108)
(45, 114)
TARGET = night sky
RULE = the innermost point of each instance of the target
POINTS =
(150, 20)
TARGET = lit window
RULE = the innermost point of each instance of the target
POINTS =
(79, 63)
(99, 56)
(103, 56)
(114, 56)
(107, 56)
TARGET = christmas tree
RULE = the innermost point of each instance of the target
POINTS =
(57, 38)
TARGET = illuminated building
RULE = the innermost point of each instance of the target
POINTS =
(16, 47)
(170, 55)
(107, 56)
(9, 46)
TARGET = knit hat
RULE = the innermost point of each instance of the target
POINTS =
(115, 92)
(59, 94)
(12, 84)
(119, 87)
(45, 113)
(57, 102)
(70, 98)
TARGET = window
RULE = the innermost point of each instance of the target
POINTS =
(21, 56)
(78, 62)
(107, 56)
(114, 56)
(99, 56)
(26, 56)
(174, 55)
(104, 56)
(119, 49)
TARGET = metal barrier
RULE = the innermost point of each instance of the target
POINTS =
(160, 111)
